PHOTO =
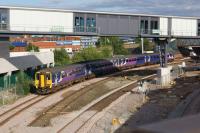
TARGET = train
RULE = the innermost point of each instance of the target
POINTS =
(50, 80)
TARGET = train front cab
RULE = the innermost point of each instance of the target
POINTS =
(43, 81)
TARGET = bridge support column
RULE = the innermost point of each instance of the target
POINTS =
(142, 43)
(164, 72)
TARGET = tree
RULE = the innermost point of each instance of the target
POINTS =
(86, 54)
(61, 57)
(148, 46)
(115, 43)
(107, 51)
(31, 47)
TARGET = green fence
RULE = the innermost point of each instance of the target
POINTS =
(7, 81)
(14, 86)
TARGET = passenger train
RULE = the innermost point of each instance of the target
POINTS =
(52, 79)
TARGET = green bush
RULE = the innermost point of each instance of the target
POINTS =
(107, 51)
(115, 43)
(31, 47)
(11, 47)
(86, 54)
(61, 57)
(23, 83)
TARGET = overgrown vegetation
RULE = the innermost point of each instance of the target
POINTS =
(115, 42)
(31, 48)
(23, 83)
(11, 47)
(106, 48)
(61, 57)
(93, 53)
(148, 46)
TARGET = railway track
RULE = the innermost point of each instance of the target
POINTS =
(76, 125)
(70, 97)
(76, 99)
(14, 111)
(9, 114)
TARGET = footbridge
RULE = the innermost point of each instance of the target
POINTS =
(40, 21)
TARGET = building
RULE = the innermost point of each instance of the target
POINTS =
(88, 41)
(58, 21)
(51, 46)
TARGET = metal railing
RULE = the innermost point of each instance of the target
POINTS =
(167, 32)
(57, 29)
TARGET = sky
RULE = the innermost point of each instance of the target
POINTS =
(160, 7)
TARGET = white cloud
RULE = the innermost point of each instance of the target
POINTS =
(165, 7)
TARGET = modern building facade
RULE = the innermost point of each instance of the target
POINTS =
(88, 42)
(21, 19)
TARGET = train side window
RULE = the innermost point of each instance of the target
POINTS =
(62, 74)
(48, 77)
(37, 76)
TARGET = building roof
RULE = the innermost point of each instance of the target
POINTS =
(98, 12)
(6, 66)
(45, 45)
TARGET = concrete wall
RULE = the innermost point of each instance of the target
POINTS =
(117, 24)
(184, 27)
(44, 21)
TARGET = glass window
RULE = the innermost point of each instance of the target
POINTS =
(154, 25)
(144, 26)
(91, 25)
(37, 76)
(3, 21)
(48, 77)
(79, 24)
(199, 29)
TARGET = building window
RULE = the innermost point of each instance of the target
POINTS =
(144, 26)
(154, 27)
(91, 25)
(199, 29)
(3, 21)
(79, 24)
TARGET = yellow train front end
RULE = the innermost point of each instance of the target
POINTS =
(43, 82)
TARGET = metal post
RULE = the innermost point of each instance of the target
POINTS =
(142, 43)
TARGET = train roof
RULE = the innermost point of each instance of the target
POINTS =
(61, 68)
(81, 64)
(71, 66)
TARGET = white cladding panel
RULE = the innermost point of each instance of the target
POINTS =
(42, 21)
(184, 27)
(164, 26)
